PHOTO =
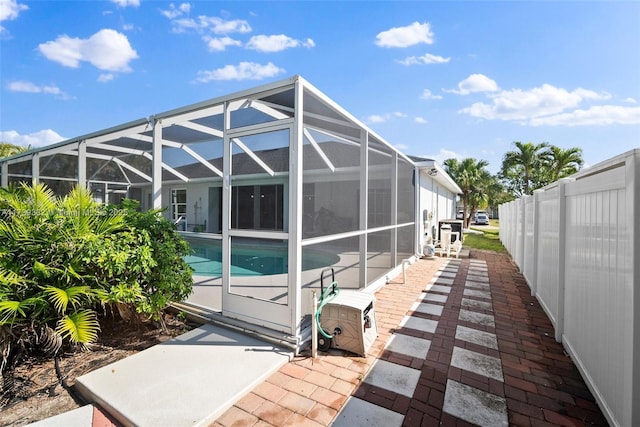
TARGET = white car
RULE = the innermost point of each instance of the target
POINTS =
(482, 218)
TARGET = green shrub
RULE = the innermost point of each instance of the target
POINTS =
(62, 260)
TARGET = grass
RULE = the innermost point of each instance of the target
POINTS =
(489, 241)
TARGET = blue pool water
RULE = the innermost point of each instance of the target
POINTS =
(250, 258)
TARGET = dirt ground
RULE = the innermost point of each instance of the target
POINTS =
(36, 393)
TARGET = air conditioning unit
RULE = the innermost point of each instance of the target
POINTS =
(350, 318)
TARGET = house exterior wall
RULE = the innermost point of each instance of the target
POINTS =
(438, 201)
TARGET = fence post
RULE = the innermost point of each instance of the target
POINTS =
(536, 240)
(522, 231)
(562, 257)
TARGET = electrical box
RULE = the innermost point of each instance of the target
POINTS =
(350, 317)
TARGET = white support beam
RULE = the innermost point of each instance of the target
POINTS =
(257, 105)
(124, 133)
(82, 164)
(132, 169)
(35, 168)
(254, 156)
(118, 149)
(123, 173)
(334, 135)
(156, 168)
(192, 115)
(321, 153)
(168, 168)
(201, 128)
(4, 171)
(193, 154)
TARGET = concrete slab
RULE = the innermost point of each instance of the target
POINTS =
(436, 310)
(187, 381)
(433, 297)
(409, 346)
(81, 417)
(393, 377)
(477, 294)
(439, 288)
(479, 305)
(419, 324)
(443, 281)
(482, 278)
(475, 406)
(358, 412)
(444, 273)
(479, 318)
(475, 336)
(478, 363)
(478, 285)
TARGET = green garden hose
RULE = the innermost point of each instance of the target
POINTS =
(327, 295)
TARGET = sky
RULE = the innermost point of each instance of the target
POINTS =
(441, 80)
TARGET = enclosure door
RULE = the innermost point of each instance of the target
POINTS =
(256, 246)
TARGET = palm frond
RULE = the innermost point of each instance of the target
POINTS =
(61, 298)
(80, 327)
(10, 310)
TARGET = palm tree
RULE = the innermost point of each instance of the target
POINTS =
(563, 163)
(524, 164)
(469, 175)
(7, 149)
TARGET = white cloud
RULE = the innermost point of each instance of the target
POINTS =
(10, 10)
(276, 43)
(475, 83)
(105, 77)
(125, 3)
(381, 118)
(420, 120)
(426, 94)
(174, 12)
(630, 101)
(427, 58)
(518, 104)
(203, 23)
(599, 115)
(29, 87)
(221, 26)
(106, 50)
(242, 71)
(410, 35)
(443, 155)
(218, 44)
(36, 139)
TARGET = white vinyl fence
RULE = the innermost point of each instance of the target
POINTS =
(577, 244)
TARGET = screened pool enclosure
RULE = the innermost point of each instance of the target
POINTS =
(270, 185)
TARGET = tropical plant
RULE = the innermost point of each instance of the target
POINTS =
(469, 174)
(7, 149)
(45, 292)
(63, 261)
(168, 277)
(563, 162)
(523, 167)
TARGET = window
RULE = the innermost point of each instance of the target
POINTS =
(179, 206)
(257, 207)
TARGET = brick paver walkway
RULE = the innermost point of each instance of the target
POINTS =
(461, 343)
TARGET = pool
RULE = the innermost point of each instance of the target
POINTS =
(250, 257)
